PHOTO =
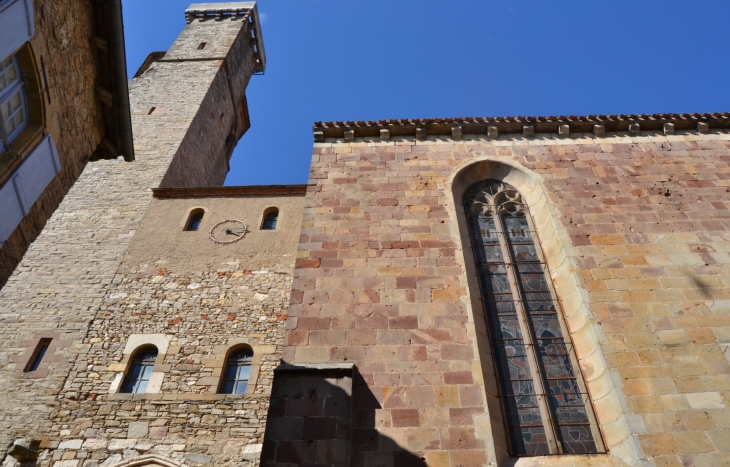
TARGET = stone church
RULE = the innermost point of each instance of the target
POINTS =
(514, 291)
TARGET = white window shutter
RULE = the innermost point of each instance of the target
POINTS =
(17, 25)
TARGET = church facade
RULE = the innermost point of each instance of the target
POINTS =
(513, 291)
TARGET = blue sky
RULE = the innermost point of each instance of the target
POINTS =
(376, 59)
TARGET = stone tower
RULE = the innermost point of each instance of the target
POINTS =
(189, 110)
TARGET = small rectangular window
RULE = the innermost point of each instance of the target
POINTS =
(38, 354)
(201, 46)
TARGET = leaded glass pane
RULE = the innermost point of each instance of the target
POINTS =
(555, 359)
(524, 252)
(523, 410)
(495, 279)
(484, 230)
(529, 441)
(577, 439)
(517, 229)
(546, 326)
(569, 410)
(488, 253)
(512, 360)
(564, 391)
(532, 278)
(539, 306)
(505, 327)
(502, 307)
(518, 388)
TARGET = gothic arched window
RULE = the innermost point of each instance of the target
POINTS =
(544, 399)
(140, 371)
(237, 372)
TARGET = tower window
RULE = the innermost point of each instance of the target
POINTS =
(271, 216)
(196, 218)
(38, 354)
(13, 105)
(237, 371)
(201, 46)
(544, 399)
(140, 371)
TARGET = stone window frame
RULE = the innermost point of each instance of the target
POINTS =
(30, 345)
(135, 343)
(26, 141)
(220, 357)
(189, 214)
(147, 460)
(620, 440)
(267, 210)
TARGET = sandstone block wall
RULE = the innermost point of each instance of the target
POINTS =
(62, 281)
(67, 70)
(635, 230)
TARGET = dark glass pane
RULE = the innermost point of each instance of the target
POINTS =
(524, 252)
(512, 360)
(555, 359)
(483, 230)
(536, 306)
(538, 297)
(488, 253)
(564, 392)
(128, 385)
(522, 410)
(517, 229)
(569, 410)
(146, 356)
(504, 327)
(135, 371)
(231, 371)
(502, 307)
(241, 387)
(518, 388)
(577, 439)
(270, 221)
(195, 221)
(494, 279)
(529, 441)
(546, 326)
(532, 278)
(227, 387)
(241, 356)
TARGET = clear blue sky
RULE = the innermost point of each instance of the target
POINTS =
(377, 59)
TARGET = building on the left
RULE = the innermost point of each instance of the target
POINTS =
(63, 101)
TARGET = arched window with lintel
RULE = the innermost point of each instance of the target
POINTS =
(545, 402)
(195, 218)
(270, 218)
(237, 372)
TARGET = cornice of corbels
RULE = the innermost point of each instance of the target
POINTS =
(528, 127)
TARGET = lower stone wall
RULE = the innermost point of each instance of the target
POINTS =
(202, 315)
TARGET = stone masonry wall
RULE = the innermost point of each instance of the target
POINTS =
(62, 280)
(207, 298)
(67, 70)
(636, 234)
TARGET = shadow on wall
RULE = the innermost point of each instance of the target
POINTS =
(325, 417)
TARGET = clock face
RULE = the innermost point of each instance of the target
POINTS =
(228, 231)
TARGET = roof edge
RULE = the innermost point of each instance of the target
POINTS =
(492, 126)
(230, 191)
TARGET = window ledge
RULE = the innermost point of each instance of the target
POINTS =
(583, 460)
(168, 397)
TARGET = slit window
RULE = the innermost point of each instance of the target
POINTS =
(196, 218)
(140, 371)
(13, 104)
(544, 399)
(237, 372)
(38, 354)
(271, 216)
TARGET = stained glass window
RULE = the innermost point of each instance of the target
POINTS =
(544, 399)
(237, 371)
(140, 371)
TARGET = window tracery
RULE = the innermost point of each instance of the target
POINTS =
(545, 402)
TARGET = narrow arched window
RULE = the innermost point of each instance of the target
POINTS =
(237, 371)
(271, 216)
(544, 399)
(194, 221)
(140, 371)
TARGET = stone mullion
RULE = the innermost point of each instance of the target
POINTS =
(528, 340)
(567, 339)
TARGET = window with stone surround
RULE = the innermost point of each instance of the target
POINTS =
(271, 217)
(237, 372)
(38, 354)
(140, 371)
(545, 403)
